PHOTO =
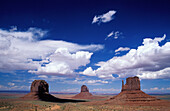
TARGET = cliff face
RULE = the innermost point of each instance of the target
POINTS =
(132, 83)
(131, 92)
(39, 86)
(84, 88)
(39, 91)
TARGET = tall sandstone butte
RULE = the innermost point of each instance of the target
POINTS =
(84, 88)
(131, 92)
(40, 91)
(39, 86)
(132, 83)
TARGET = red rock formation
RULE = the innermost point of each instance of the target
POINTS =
(132, 83)
(131, 92)
(84, 88)
(84, 94)
(39, 86)
(40, 91)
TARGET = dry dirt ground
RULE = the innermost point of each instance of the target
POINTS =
(12, 102)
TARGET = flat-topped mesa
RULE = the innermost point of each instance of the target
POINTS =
(132, 83)
(84, 88)
(39, 87)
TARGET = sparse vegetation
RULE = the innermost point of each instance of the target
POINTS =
(11, 104)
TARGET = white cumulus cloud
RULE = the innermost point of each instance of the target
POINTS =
(89, 72)
(107, 17)
(149, 61)
(24, 50)
(63, 62)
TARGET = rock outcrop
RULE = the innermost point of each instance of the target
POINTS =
(131, 92)
(132, 83)
(84, 94)
(39, 86)
(40, 91)
(84, 88)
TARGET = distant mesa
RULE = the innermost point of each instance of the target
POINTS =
(131, 92)
(84, 94)
(40, 91)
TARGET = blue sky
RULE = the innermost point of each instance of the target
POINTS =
(98, 43)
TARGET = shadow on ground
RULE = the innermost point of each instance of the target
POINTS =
(49, 98)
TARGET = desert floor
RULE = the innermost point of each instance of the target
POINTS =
(12, 102)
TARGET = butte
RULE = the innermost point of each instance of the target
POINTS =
(131, 92)
(39, 88)
(40, 91)
(84, 94)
